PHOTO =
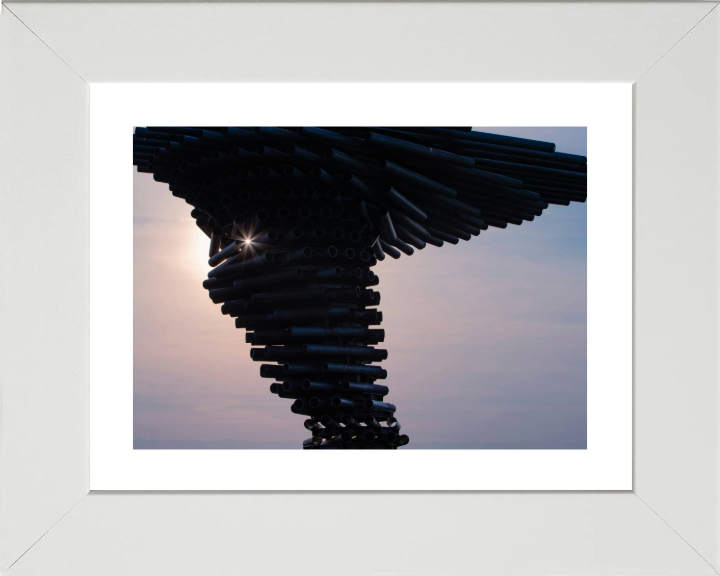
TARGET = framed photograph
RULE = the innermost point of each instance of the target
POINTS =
(596, 459)
(80, 486)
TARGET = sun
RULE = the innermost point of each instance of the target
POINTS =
(197, 256)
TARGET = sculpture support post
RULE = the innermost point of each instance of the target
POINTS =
(311, 317)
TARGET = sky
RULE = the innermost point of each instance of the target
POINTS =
(487, 339)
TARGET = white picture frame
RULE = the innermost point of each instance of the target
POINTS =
(49, 523)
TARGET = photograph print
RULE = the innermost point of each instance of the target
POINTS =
(258, 254)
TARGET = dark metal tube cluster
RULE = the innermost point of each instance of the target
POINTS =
(298, 217)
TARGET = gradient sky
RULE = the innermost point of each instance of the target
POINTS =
(487, 339)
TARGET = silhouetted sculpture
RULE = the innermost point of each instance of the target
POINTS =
(297, 218)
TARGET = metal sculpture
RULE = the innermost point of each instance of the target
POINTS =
(298, 217)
